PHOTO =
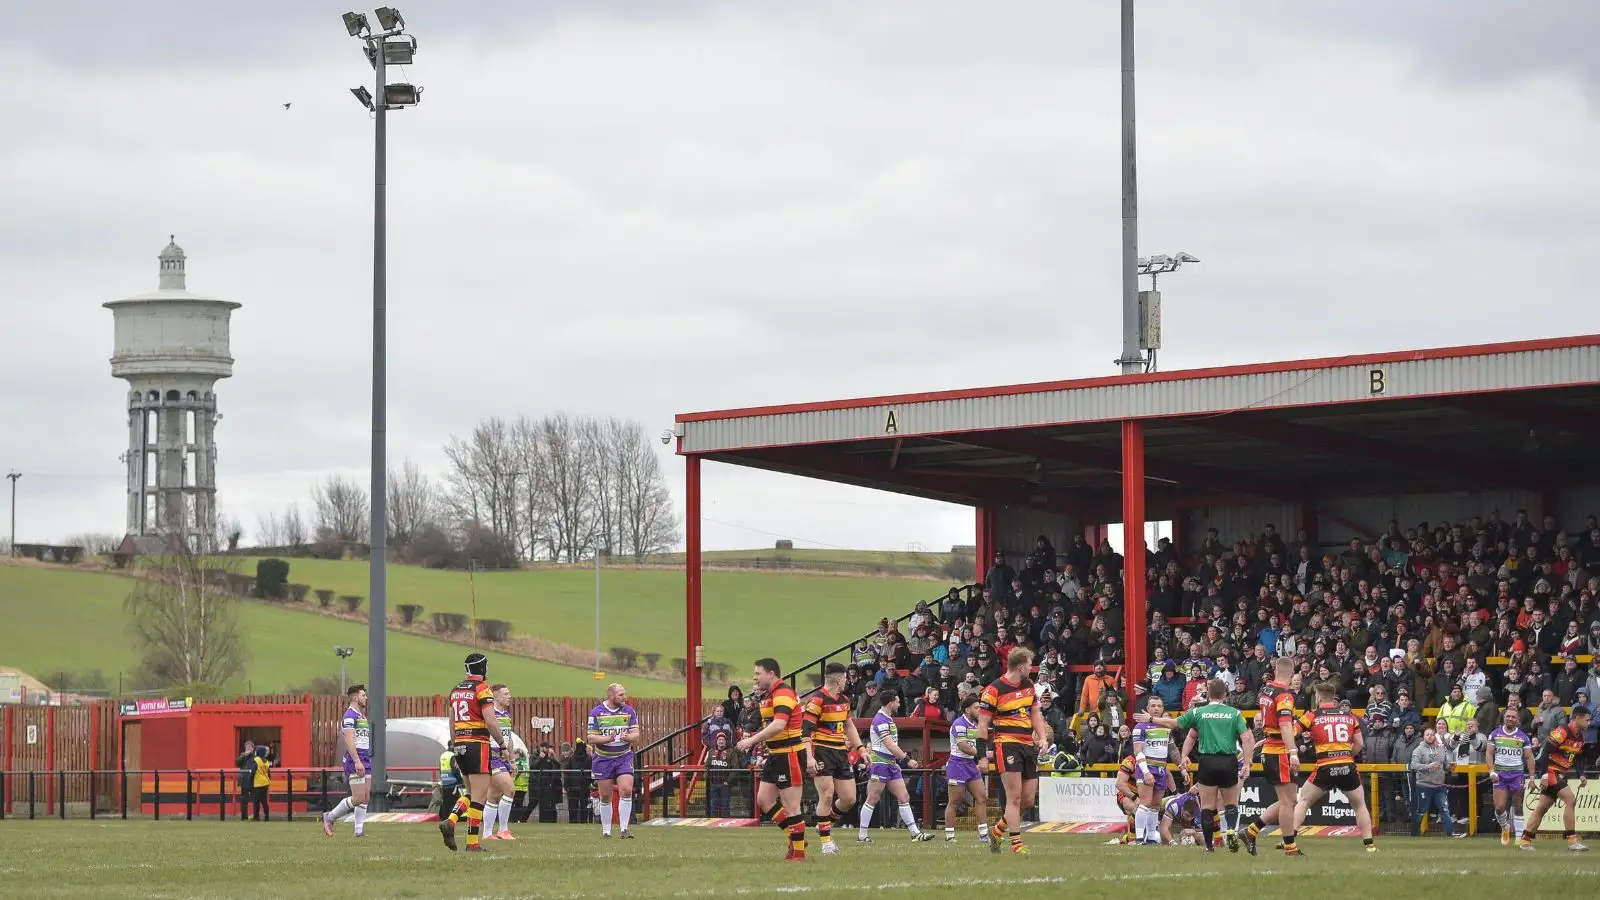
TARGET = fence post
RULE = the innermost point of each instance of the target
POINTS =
(122, 789)
(188, 795)
(159, 804)
(61, 793)
(31, 795)
(223, 797)
(289, 807)
(94, 793)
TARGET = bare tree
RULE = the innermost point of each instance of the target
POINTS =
(413, 502)
(269, 529)
(563, 479)
(649, 523)
(184, 625)
(343, 512)
(483, 479)
(94, 544)
(293, 530)
(598, 442)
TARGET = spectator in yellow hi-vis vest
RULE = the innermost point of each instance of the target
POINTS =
(1455, 711)
(260, 782)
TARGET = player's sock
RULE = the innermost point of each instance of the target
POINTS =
(1149, 824)
(340, 811)
(774, 813)
(361, 818)
(474, 823)
(1367, 842)
(949, 832)
(1516, 823)
(797, 834)
(1016, 841)
(1529, 835)
(1254, 827)
(1288, 838)
(625, 810)
(1133, 826)
(605, 817)
(491, 814)
(1208, 825)
(983, 829)
(866, 818)
(1230, 818)
(1571, 836)
(459, 810)
(506, 805)
(825, 828)
(908, 819)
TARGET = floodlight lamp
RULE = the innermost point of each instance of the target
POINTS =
(401, 95)
(399, 52)
(1188, 258)
(356, 23)
(363, 95)
(390, 18)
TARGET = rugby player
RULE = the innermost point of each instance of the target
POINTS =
(1008, 716)
(1556, 759)
(473, 741)
(1181, 812)
(1336, 737)
(888, 760)
(356, 735)
(1151, 747)
(963, 771)
(502, 786)
(1225, 743)
(1279, 759)
(1127, 795)
(612, 731)
(1511, 767)
(830, 737)
(782, 779)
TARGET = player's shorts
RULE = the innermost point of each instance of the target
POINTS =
(610, 768)
(1017, 757)
(785, 770)
(473, 757)
(835, 763)
(1551, 784)
(1509, 781)
(1276, 767)
(961, 771)
(885, 772)
(498, 764)
(1340, 776)
(1162, 778)
(350, 766)
(1217, 770)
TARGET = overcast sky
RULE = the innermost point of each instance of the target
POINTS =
(648, 208)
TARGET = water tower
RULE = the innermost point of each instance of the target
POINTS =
(171, 347)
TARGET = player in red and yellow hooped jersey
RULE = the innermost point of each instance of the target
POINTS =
(471, 703)
(1127, 794)
(1008, 715)
(1336, 735)
(783, 774)
(830, 736)
(1556, 759)
(1279, 759)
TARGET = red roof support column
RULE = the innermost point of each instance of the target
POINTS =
(691, 570)
(984, 541)
(1133, 586)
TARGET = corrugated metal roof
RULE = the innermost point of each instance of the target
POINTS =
(1555, 363)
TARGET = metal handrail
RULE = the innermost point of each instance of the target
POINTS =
(669, 739)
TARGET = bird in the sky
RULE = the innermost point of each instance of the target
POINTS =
(287, 105)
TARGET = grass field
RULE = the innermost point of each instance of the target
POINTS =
(194, 861)
(644, 608)
(59, 619)
(63, 620)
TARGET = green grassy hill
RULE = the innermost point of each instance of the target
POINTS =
(794, 618)
(71, 620)
(68, 620)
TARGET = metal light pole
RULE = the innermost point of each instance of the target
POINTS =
(391, 45)
(597, 611)
(1131, 361)
(16, 475)
(343, 653)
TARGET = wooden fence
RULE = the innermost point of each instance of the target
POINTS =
(80, 738)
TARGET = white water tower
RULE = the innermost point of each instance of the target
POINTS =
(171, 347)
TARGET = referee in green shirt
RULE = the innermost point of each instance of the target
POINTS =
(1224, 739)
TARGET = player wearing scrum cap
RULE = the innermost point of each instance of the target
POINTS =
(471, 705)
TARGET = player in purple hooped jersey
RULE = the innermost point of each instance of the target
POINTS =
(1152, 748)
(964, 771)
(611, 733)
(355, 737)
(1510, 765)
